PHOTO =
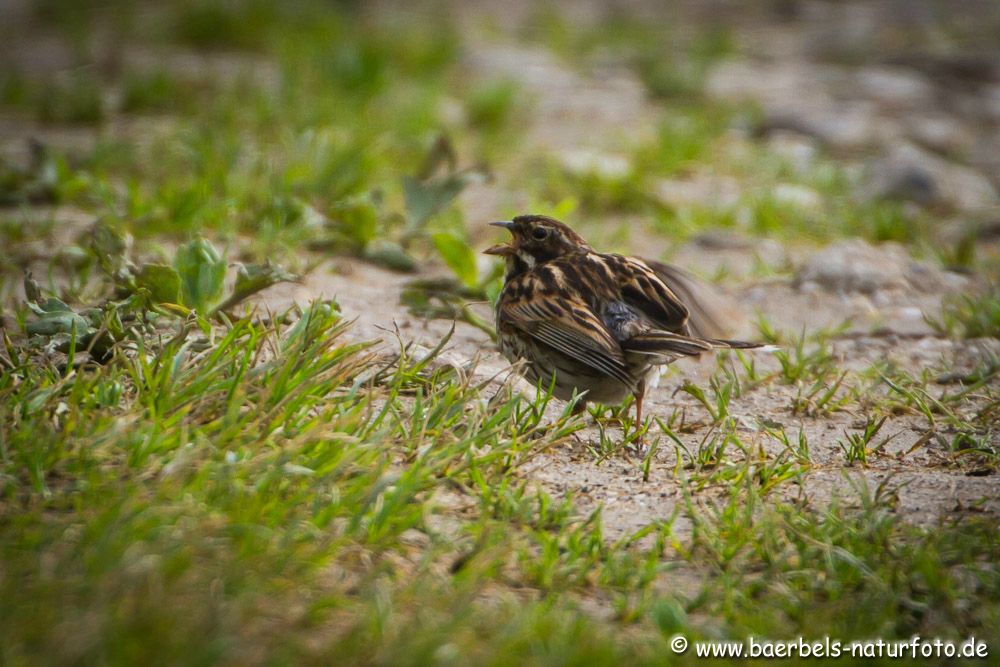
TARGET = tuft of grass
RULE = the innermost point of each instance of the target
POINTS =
(681, 76)
(970, 315)
(490, 106)
(594, 191)
(799, 449)
(722, 391)
(158, 91)
(75, 99)
(770, 560)
(857, 448)
(684, 138)
(807, 361)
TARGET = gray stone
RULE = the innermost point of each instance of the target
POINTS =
(799, 150)
(854, 266)
(940, 132)
(804, 98)
(895, 88)
(913, 174)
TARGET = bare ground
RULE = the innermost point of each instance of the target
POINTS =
(589, 114)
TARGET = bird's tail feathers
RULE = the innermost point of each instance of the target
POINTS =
(671, 345)
(740, 345)
(667, 344)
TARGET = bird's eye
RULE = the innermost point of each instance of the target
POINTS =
(539, 233)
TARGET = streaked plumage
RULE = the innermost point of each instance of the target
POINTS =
(594, 322)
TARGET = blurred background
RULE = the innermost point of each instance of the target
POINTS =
(393, 131)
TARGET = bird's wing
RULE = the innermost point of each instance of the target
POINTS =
(642, 289)
(563, 320)
(711, 313)
(649, 292)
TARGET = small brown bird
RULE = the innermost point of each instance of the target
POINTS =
(585, 321)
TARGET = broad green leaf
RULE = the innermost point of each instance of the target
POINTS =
(162, 281)
(51, 305)
(437, 183)
(55, 323)
(109, 246)
(391, 255)
(55, 317)
(458, 256)
(357, 219)
(252, 278)
(424, 199)
(202, 272)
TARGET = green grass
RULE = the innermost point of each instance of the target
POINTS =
(159, 91)
(856, 447)
(185, 480)
(277, 494)
(971, 315)
(74, 99)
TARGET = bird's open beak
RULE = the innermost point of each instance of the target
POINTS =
(502, 249)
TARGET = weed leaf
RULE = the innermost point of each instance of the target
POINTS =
(390, 254)
(162, 281)
(426, 198)
(252, 278)
(458, 256)
(55, 317)
(202, 272)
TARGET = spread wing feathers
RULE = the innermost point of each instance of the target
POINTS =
(711, 314)
(570, 327)
(642, 289)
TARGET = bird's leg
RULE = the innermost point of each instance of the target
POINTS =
(640, 391)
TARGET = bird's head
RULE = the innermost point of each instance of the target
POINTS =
(535, 239)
